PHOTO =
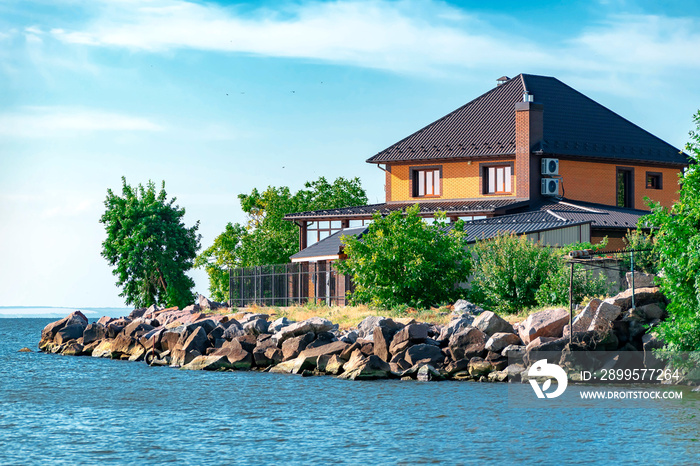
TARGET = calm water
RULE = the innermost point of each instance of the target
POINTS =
(67, 410)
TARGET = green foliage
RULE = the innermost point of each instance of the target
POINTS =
(219, 257)
(508, 271)
(267, 238)
(401, 260)
(564, 250)
(677, 240)
(149, 246)
(555, 290)
(646, 259)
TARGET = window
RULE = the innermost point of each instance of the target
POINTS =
(359, 223)
(426, 182)
(654, 180)
(625, 187)
(497, 179)
(316, 231)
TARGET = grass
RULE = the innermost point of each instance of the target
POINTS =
(347, 316)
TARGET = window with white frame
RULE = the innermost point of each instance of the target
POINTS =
(426, 182)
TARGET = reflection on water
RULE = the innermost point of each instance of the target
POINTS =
(67, 410)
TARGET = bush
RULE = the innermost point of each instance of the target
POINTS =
(647, 258)
(555, 290)
(508, 271)
(401, 260)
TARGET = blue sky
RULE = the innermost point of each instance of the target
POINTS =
(219, 98)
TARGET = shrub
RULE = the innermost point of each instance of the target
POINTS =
(401, 260)
(647, 258)
(508, 271)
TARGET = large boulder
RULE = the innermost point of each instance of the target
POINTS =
(232, 329)
(94, 332)
(467, 343)
(256, 326)
(382, 336)
(137, 328)
(207, 363)
(75, 318)
(292, 347)
(498, 341)
(68, 333)
(651, 311)
(312, 325)
(197, 341)
(370, 367)
(604, 315)
(642, 296)
(236, 356)
(207, 304)
(308, 359)
(584, 318)
(409, 335)
(424, 354)
(547, 323)
(490, 323)
(455, 326)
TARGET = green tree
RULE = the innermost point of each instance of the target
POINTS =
(149, 246)
(402, 260)
(677, 240)
(646, 259)
(267, 238)
(218, 258)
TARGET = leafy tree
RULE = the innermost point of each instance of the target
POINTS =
(266, 237)
(219, 257)
(401, 260)
(149, 246)
(677, 240)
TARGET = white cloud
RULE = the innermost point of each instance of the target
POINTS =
(415, 36)
(401, 36)
(58, 121)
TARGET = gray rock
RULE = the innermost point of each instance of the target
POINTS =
(94, 332)
(278, 324)
(641, 280)
(349, 336)
(467, 343)
(498, 341)
(249, 317)
(490, 323)
(292, 347)
(370, 367)
(313, 325)
(462, 307)
(424, 354)
(603, 317)
(546, 323)
(407, 336)
(68, 333)
(427, 373)
(455, 325)
(76, 318)
(256, 326)
(514, 353)
(233, 330)
(651, 311)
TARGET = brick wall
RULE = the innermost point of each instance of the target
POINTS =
(596, 182)
(460, 180)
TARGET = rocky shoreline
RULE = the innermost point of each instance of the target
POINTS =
(476, 345)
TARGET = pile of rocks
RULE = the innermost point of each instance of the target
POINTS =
(475, 345)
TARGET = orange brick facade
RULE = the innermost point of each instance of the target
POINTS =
(460, 180)
(597, 182)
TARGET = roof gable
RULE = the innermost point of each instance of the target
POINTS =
(574, 125)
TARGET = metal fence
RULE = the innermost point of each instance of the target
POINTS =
(287, 284)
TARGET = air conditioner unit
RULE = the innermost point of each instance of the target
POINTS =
(550, 166)
(550, 187)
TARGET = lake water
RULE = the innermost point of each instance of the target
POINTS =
(80, 410)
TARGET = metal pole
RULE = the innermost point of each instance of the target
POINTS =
(632, 267)
(571, 303)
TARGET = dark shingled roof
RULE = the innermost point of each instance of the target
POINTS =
(574, 125)
(520, 224)
(329, 246)
(452, 207)
(601, 216)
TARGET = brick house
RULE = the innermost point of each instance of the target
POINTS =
(532, 155)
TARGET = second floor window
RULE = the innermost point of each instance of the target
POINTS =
(426, 183)
(498, 179)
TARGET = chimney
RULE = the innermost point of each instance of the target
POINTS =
(528, 133)
(502, 80)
